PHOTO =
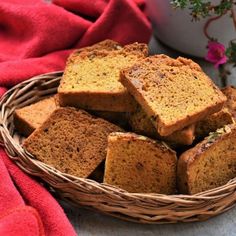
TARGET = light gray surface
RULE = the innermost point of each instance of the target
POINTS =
(88, 223)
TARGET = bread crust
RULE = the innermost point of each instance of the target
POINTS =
(118, 101)
(188, 158)
(135, 87)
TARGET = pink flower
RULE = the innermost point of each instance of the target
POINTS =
(216, 53)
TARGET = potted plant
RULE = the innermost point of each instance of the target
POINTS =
(199, 28)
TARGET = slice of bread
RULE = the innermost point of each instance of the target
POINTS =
(210, 164)
(141, 124)
(72, 141)
(174, 93)
(230, 93)
(138, 164)
(90, 80)
(29, 118)
(213, 122)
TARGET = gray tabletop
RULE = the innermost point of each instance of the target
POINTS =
(88, 223)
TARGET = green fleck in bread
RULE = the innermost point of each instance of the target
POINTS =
(213, 122)
(90, 80)
(230, 93)
(72, 141)
(210, 164)
(138, 164)
(141, 124)
(29, 118)
(174, 93)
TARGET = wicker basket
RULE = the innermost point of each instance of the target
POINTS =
(142, 208)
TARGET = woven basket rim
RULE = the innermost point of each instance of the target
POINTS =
(20, 156)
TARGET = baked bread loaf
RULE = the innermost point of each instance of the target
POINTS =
(174, 93)
(213, 122)
(71, 140)
(210, 164)
(90, 80)
(29, 118)
(141, 124)
(139, 164)
(230, 93)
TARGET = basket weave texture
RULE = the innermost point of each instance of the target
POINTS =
(137, 207)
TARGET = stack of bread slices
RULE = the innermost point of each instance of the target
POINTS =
(145, 124)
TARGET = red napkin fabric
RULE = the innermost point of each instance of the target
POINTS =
(26, 208)
(36, 37)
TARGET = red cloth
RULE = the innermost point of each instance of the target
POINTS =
(26, 208)
(36, 37)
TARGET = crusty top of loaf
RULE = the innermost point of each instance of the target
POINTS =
(107, 44)
(133, 136)
(171, 89)
(214, 137)
(97, 71)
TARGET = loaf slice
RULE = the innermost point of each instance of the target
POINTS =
(107, 44)
(138, 164)
(174, 93)
(213, 122)
(72, 141)
(210, 164)
(141, 124)
(90, 80)
(29, 118)
(230, 93)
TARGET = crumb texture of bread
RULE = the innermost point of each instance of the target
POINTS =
(209, 164)
(72, 141)
(29, 118)
(91, 79)
(138, 164)
(141, 124)
(230, 93)
(213, 122)
(174, 93)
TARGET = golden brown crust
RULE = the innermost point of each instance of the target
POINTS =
(230, 93)
(138, 164)
(213, 122)
(29, 118)
(190, 157)
(141, 124)
(148, 76)
(72, 141)
(117, 100)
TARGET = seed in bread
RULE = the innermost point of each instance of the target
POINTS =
(209, 164)
(90, 80)
(174, 93)
(230, 93)
(29, 118)
(213, 122)
(72, 141)
(139, 164)
(141, 124)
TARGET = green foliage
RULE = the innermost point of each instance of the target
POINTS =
(201, 9)
(231, 52)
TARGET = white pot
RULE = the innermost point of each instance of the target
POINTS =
(174, 28)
